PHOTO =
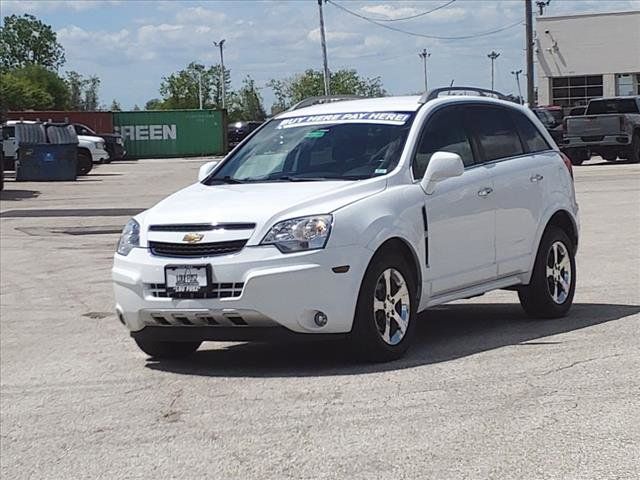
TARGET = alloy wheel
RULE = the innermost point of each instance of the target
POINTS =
(558, 272)
(391, 306)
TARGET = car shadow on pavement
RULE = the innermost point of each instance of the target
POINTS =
(443, 333)
(17, 195)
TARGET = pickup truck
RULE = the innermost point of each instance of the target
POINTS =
(610, 127)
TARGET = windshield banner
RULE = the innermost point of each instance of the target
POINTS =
(388, 118)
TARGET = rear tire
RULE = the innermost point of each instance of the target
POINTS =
(85, 163)
(577, 155)
(610, 157)
(384, 322)
(634, 154)
(553, 282)
(167, 350)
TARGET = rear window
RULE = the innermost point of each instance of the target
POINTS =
(618, 105)
(529, 133)
(8, 132)
(495, 131)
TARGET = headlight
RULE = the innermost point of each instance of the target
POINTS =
(130, 237)
(100, 145)
(297, 234)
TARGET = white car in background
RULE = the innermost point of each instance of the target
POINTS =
(90, 147)
(349, 218)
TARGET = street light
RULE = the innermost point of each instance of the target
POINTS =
(424, 55)
(493, 55)
(219, 45)
(517, 74)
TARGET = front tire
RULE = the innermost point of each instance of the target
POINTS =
(384, 322)
(634, 154)
(85, 164)
(553, 282)
(167, 350)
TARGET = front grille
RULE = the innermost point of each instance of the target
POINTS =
(201, 227)
(163, 249)
(216, 290)
(593, 138)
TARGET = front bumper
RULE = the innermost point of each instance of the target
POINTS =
(98, 155)
(262, 287)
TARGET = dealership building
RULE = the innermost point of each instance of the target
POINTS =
(580, 57)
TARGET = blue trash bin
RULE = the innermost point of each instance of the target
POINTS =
(46, 162)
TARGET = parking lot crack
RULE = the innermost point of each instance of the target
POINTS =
(578, 362)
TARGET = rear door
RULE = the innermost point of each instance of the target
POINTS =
(460, 214)
(519, 175)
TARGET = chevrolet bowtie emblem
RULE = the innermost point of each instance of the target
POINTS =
(193, 237)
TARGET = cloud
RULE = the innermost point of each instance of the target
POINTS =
(41, 6)
(333, 36)
(199, 15)
(390, 12)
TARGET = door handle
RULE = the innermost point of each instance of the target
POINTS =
(536, 178)
(485, 192)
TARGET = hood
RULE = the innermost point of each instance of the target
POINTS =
(90, 138)
(261, 203)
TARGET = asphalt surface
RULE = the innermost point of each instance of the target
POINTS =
(484, 393)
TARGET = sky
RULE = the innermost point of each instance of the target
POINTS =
(132, 44)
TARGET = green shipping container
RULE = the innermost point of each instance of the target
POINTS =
(172, 133)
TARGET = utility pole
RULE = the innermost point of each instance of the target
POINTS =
(493, 55)
(517, 74)
(200, 88)
(424, 55)
(528, 13)
(327, 78)
(222, 86)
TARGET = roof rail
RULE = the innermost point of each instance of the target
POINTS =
(307, 102)
(483, 92)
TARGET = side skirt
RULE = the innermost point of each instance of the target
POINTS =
(475, 290)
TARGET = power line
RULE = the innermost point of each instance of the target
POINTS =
(412, 16)
(435, 37)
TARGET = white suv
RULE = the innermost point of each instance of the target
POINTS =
(350, 217)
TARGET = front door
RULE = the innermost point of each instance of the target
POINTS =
(461, 211)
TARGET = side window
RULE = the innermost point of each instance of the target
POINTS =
(495, 132)
(529, 133)
(444, 132)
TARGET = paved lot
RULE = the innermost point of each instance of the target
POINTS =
(485, 393)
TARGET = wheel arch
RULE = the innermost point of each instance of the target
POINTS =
(402, 246)
(85, 150)
(563, 220)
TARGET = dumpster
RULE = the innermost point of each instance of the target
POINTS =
(46, 162)
(42, 161)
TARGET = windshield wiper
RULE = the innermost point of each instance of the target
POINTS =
(227, 179)
(287, 178)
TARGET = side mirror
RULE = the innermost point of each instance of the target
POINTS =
(442, 165)
(206, 169)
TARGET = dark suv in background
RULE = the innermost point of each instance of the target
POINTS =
(113, 143)
(238, 131)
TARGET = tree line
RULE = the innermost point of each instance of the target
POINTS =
(31, 56)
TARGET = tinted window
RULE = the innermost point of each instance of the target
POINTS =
(619, 105)
(444, 132)
(530, 135)
(495, 132)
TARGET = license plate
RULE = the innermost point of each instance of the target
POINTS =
(186, 280)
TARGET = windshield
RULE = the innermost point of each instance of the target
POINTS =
(345, 146)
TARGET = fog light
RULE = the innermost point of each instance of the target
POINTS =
(320, 318)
